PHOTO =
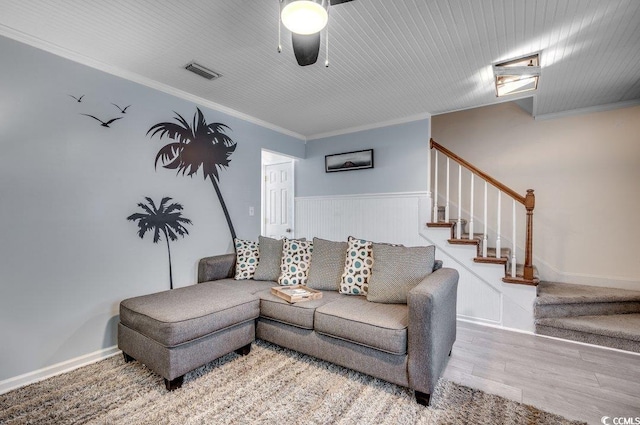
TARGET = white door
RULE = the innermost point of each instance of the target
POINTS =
(278, 200)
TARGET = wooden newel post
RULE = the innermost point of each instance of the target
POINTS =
(529, 204)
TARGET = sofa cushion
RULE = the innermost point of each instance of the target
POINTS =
(327, 264)
(298, 314)
(354, 319)
(184, 314)
(397, 270)
(249, 286)
(270, 255)
(247, 257)
(296, 258)
(357, 267)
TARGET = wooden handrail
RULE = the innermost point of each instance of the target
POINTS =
(515, 195)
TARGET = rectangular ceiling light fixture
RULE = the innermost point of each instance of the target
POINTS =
(517, 75)
(202, 71)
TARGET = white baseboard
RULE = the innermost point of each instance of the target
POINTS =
(56, 369)
(480, 322)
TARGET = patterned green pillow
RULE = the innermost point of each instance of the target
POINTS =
(357, 267)
(296, 258)
(397, 270)
(247, 258)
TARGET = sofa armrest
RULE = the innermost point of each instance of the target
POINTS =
(216, 267)
(432, 327)
(437, 265)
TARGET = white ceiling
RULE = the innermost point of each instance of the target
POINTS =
(391, 60)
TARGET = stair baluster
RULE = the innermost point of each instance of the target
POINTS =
(459, 225)
(429, 194)
(486, 221)
(446, 205)
(470, 230)
(513, 249)
(435, 189)
(498, 229)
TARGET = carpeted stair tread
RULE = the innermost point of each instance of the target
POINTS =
(567, 293)
(622, 326)
(585, 309)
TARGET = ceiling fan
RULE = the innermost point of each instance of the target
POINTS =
(306, 19)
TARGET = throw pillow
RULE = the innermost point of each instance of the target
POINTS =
(247, 256)
(270, 257)
(397, 270)
(296, 258)
(327, 264)
(357, 267)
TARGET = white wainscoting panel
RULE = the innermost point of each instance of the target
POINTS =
(401, 218)
(392, 218)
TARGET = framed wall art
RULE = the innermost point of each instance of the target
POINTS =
(348, 161)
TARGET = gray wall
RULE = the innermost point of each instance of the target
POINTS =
(67, 253)
(400, 155)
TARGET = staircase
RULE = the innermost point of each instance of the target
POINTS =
(503, 260)
(524, 273)
(602, 316)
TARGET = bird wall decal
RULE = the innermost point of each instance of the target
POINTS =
(78, 99)
(104, 124)
(124, 111)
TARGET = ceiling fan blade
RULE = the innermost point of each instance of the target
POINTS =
(306, 48)
(334, 2)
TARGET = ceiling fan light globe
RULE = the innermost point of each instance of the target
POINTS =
(305, 16)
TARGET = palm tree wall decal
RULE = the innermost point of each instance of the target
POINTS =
(163, 219)
(197, 146)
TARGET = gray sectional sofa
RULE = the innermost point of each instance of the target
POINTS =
(176, 331)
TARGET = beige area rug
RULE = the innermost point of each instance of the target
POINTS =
(271, 385)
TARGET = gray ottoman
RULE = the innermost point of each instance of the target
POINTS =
(174, 332)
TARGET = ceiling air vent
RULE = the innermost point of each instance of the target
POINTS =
(202, 71)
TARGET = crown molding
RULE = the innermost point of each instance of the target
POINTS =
(497, 101)
(589, 109)
(137, 78)
(404, 120)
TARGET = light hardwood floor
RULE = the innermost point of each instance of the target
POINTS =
(574, 380)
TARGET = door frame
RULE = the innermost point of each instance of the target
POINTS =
(263, 184)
